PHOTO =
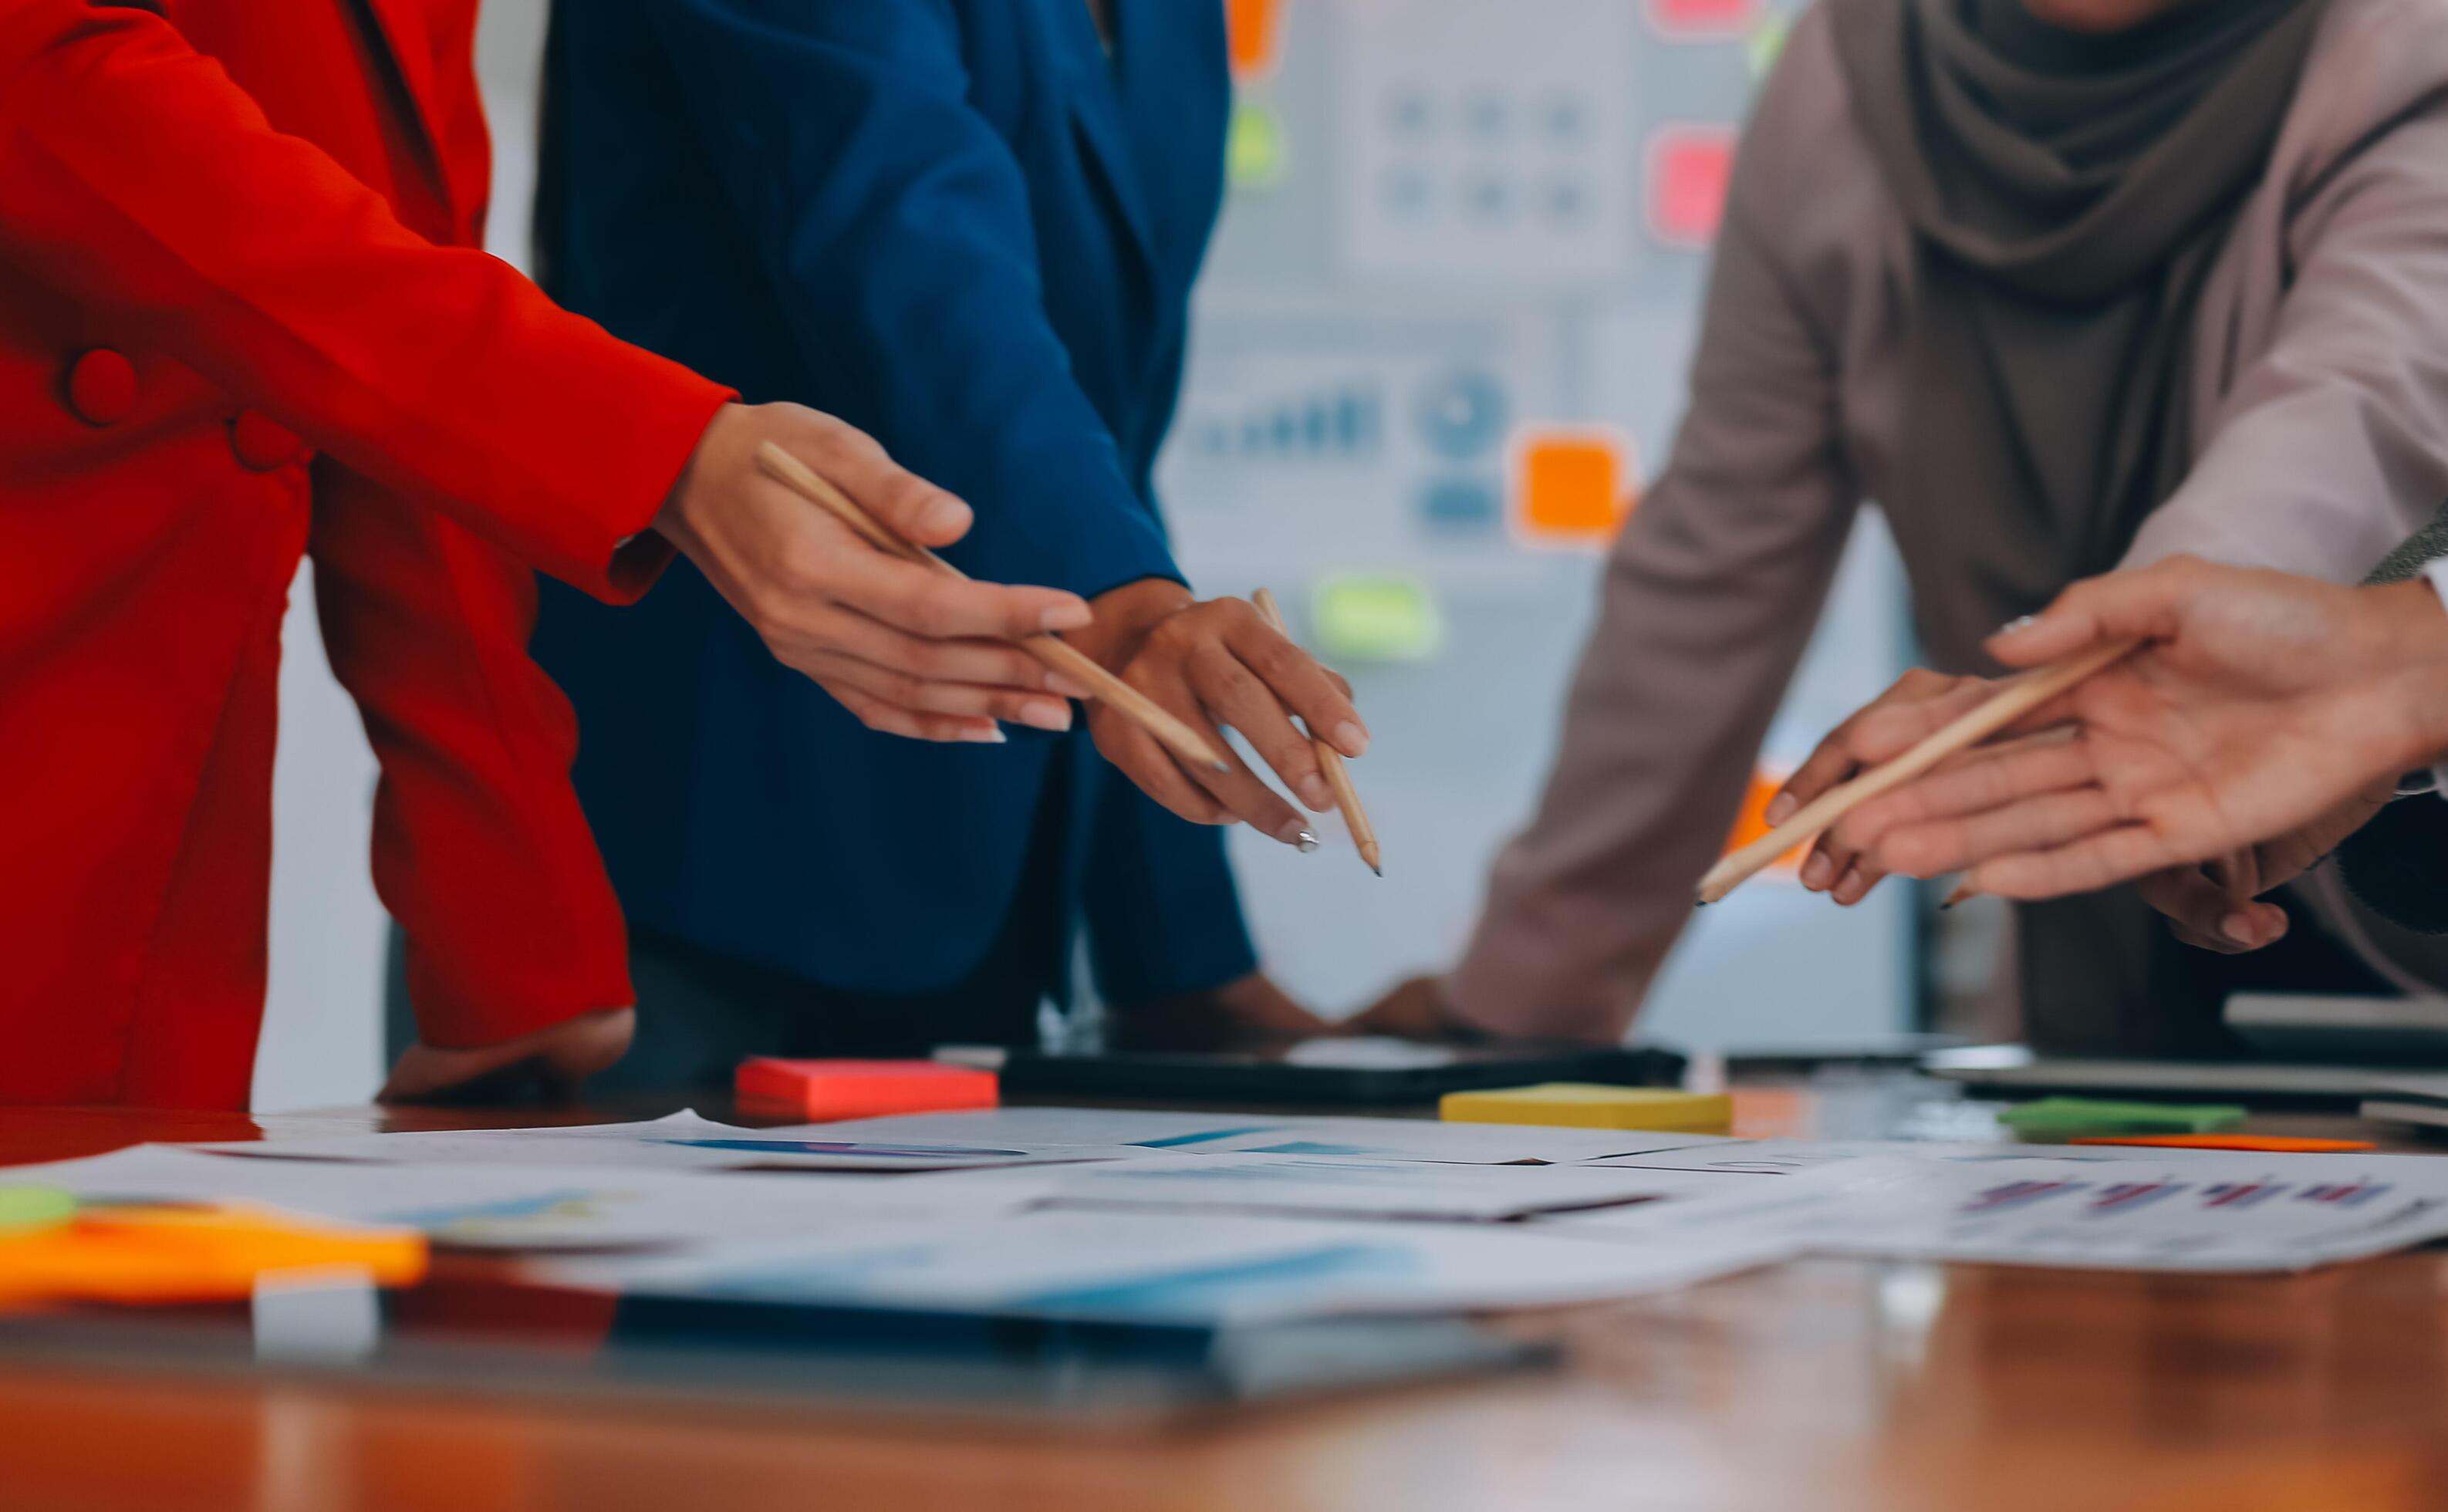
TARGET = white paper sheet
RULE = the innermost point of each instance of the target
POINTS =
(1233, 1134)
(525, 1207)
(681, 1142)
(1347, 1187)
(1083, 1265)
(2194, 1211)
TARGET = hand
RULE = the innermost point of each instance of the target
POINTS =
(1248, 1011)
(1416, 1009)
(561, 1057)
(907, 651)
(2263, 717)
(2209, 907)
(1918, 705)
(1216, 663)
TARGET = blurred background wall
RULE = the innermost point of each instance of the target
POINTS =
(1439, 348)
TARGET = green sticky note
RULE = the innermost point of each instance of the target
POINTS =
(1765, 41)
(34, 1207)
(1364, 616)
(2072, 1115)
(1253, 146)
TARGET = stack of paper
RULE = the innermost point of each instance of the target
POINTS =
(1081, 1213)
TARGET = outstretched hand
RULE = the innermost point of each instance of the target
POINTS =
(2265, 719)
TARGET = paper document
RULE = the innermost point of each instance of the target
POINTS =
(525, 1207)
(1351, 1187)
(681, 1142)
(2198, 1212)
(1226, 1134)
(1124, 1266)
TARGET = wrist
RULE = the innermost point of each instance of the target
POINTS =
(2414, 650)
(672, 522)
(1126, 616)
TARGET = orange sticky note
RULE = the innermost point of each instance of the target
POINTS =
(1256, 28)
(1571, 487)
(2261, 1143)
(824, 1090)
(1752, 823)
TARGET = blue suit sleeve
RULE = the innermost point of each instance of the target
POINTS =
(900, 223)
(1164, 918)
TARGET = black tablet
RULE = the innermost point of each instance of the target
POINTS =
(1338, 1072)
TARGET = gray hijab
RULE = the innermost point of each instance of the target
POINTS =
(2067, 194)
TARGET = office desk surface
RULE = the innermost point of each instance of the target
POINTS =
(1820, 1385)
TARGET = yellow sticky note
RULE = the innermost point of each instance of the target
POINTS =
(1582, 1105)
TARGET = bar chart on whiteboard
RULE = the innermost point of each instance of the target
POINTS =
(1438, 352)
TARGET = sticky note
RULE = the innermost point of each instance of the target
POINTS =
(1254, 148)
(1572, 485)
(24, 1209)
(1752, 823)
(1255, 34)
(1586, 1105)
(140, 1253)
(2064, 1117)
(1766, 44)
(821, 1090)
(1367, 616)
(1699, 20)
(2256, 1143)
(1688, 167)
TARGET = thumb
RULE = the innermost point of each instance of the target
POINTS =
(2145, 604)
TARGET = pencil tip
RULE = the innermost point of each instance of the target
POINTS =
(1374, 867)
(1700, 903)
(1225, 767)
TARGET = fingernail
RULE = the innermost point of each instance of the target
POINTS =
(991, 734)
(1056, 683)
(1315, 793)
(1296, 833)
(1073, 616)
(1780, 809)
(944, 516)
(2237, 928)
(1818, 872)
(1056, 716)
(2018, 624)
(1350, 739)
(1850, 887)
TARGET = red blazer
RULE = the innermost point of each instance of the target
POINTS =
(241, 317)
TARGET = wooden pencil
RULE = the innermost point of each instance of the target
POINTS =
(1051, 651)
(1330, 760)
(2009, 703)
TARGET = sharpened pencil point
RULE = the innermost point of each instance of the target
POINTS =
(1380, 870)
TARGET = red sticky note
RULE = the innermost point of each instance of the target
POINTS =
(822, 1090)
(1700, 20)
(1689, 169)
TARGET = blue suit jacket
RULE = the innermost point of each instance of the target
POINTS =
(960, 226)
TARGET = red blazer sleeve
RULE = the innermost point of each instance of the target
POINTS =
(480, 850)
(136, 178)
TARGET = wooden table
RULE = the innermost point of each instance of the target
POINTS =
(1820, 1385)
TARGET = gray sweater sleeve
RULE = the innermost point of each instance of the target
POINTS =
(2427, 544)
(2398, 864)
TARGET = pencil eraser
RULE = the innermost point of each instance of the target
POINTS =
(1584, 1105)
(822, 1090)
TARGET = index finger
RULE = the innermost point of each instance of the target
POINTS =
(1296, 679)
(937, 606)
(1979, 782)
